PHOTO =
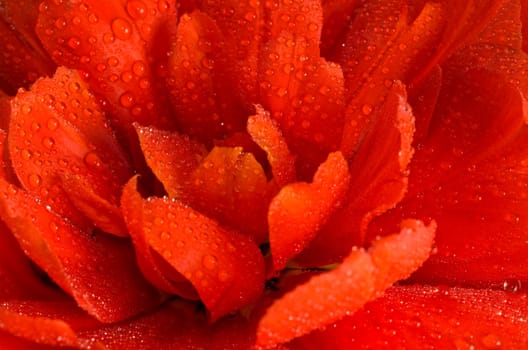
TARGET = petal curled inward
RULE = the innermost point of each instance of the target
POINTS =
(225, 267)
(362, 277)
(63, 151)
(299, 210)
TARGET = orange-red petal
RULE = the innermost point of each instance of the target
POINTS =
(299, 210)
(225, 267)
(172, 157)
(58, 138)
(420, 317)
(198, 81)
(268, 135)
(116, 46)
(379, 176)
(230, 186)
(470, 174)
(85, 266)
(303, 92)
(361, 277)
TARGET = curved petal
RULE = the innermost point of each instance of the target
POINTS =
(63, 151)
(400, 51)
(453, 318)
(478, 141)
(379, 177)
(84, 266)
(361, 277)
(267, 134)
(303, 92)
(198, 82)
(23, 59)
(172, 157)
(225, 268)
(115, 45)
(300, 209)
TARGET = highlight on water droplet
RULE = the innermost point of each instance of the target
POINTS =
(209, 262)
(121, 28)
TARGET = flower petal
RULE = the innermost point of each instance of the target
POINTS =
(379, 175)
(453, 318)
(478, 141)
(298, 212)
(114, 45)
(23, 60)
(226, 268)
(361, 277)
(267, 134)
(84, 266)
(59, 138)
(198, 83)
(303, 92)
(172, 157)
(400, 51)
(228, 181)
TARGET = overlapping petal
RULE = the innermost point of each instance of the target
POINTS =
(81, 264)
(63, 150)
(225, 267)
(330, 296)
(115, 46)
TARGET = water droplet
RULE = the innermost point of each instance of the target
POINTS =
(26, 109)
(48, 142)
(366, 109)
(163, 6)
(165, 236)
(34, 180)
(126, 99)
(491, 341)
(121, 28)
(74, 42)
(52, 124)
(139, 68)
(136, 9)
(180, 244)
(209, 262)
(91, 159)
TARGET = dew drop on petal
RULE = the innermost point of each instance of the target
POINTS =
(136, 9)
(209, 262)
(121, 28)
(91, 159)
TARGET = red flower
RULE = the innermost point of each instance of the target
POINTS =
(263, 174)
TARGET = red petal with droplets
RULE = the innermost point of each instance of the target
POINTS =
(337, 15)
(228, 181)
(453, 318)
(63, 151)
(19, 66)
(303, 92)
(85, 266)
(299, 211)
(226, 268)
(268, 135)
(200, 92)
(378, 182)
(400, 51)
(471, 173)
(361, 277)
(152, 265)
(172, 157)
(115, 45)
